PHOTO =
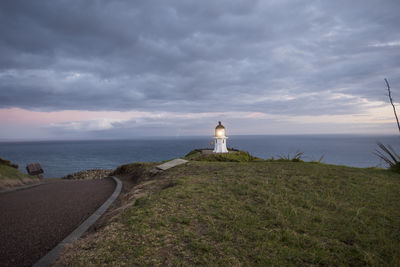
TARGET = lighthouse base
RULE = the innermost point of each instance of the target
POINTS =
(220, 145)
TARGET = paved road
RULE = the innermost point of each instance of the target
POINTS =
(33, 221)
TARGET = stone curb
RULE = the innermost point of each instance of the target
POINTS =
(52, 255)
(8, 190)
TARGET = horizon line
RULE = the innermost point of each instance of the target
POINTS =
(10, 140)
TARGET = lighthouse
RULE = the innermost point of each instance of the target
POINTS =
(220, 139)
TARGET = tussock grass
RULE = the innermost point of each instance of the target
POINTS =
(256, 213)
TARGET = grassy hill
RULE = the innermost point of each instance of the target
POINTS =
(7, 172)
(250, 213)
(10, 175)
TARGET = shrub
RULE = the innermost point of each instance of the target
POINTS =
(8, 163)
(233, 156)
(295, 158)
(134, 171)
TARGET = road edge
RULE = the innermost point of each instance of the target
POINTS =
(52, 255)
(18, 188)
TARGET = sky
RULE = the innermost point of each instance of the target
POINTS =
(124, 69)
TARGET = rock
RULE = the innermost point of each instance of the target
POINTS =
(34, 169)
(88, 174)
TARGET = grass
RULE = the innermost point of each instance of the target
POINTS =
(10, 176)
(232, 156)
(8, 163)
(255, 213)
(7, 172)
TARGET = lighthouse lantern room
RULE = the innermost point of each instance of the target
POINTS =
(220, 139)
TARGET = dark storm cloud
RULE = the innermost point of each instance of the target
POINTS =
(287, 57)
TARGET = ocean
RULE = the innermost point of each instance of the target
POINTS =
(59, 158)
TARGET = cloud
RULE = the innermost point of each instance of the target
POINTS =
(89, 125)
(387, 44)
(292, 58)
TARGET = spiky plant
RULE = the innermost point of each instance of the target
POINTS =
(389, 155)
(296, 158)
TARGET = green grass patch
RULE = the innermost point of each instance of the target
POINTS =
(259, 213)
(232, 156)
(7, 172)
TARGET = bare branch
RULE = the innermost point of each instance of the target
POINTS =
(391, 102)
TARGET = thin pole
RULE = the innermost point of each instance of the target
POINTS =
(391, 102)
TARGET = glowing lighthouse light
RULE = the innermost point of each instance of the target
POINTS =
(220, 139)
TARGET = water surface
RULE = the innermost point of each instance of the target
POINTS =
(59, 158)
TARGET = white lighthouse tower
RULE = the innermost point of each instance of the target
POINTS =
(220, 139)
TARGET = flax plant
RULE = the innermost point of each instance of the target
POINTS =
(386, 152)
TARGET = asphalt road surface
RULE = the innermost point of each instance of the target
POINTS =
(34, 220)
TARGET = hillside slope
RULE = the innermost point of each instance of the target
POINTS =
(252, 213)
(10, 176)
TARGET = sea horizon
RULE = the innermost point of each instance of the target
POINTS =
(62, 157)
(162, 137)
